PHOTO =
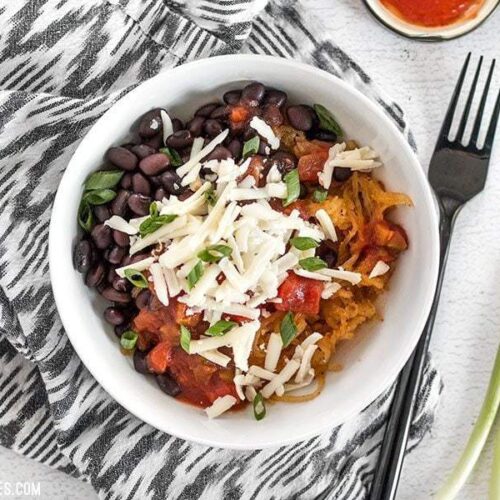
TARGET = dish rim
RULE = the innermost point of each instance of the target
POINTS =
(58, 285)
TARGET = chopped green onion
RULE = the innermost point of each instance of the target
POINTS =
(214, 253)
(174, 156)
(99, 196)
(85, 217)
(288, 329)
(195, 274)
(312, 264)
(153, 209)
(210, 196)
(292, 187)
(251, 147)
(304, 243)
(259, 408)
(128, 339)
(136, 278)
(320, 195)
(185, 338)
(327, 121)
(477, 438)
(104, 179)
(220, 328)
(154, 222)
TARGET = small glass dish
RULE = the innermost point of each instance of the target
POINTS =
(430, 34)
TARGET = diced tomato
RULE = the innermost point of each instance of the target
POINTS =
(300, 295)
(235, 317)
(302, 206)
(390, 235)
(182, 318)
(370, 256)
(239, 114)
(311, 165)
(159, 358)
(255, 169)
(304, 147)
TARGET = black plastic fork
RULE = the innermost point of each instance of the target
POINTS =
(457, 173)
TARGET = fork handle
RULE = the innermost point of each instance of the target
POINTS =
(386, 479)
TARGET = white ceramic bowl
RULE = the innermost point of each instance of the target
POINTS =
(430, 34)
(371, 362)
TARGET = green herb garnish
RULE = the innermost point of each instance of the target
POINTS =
(259, 408)
(136, 278)
(104, 179)
(304, 243)
(195, 274)
(185, 338)
(128, 339)
(327, 121)
(154, 222)
(210, 196)
(214, 253)
(221, 328)
(292, 187)
(99, 196)
(312, 264)
(85, 217)
(251, 147)
(320, 195)
(175, 158)
(288, 329)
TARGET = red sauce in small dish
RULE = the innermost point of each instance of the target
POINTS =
(433, 13)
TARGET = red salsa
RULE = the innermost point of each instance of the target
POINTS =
(433, 13)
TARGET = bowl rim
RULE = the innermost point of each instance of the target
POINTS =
(423, 34)
(57, 278)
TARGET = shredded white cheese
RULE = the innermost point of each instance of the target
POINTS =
(273, 352)
(379, 269)
(265, 131)
(168, 128)
(120, 224)
(220, 405)
(326, 224)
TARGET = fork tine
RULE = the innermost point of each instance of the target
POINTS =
(468, 104)
(490, 135)
(445, 129)
(479, 117)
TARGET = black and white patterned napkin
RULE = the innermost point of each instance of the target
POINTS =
(62, 64)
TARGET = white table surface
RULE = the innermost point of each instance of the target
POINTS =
(420, 77)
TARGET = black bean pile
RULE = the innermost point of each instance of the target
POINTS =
(148, 173)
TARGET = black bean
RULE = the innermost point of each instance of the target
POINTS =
(341, 174)
(220, 113)
(121, 239)
(160, 193)
(328, 253)
(180, 139)
(121, 329)
(113, 295)
(155, 164)
(143, 150)
(102, 212)
(168, 384)
(275, 97)
(119, 204)
(138, 257)
(235, 147)
(82, 256)
(323, 135)
(272, 116)
(253, 94)
(114, 316)
(219, 153)
(116, 254)
(212, 127)
(285, 162)
(172, 182)
(121, 284)
(126, 182)
(140, 363)
(206, 109)
(122, 158)
(177, 125)
(128, 145)
(232, 97)
(249, 133)
(150, 123)
(111, 274)
(300, 117)
(195, 126)
(96, 275)
(155, 180)
(303, 192)
(101, 235)
(140, 184)
(142, 299)
(139, 204)
(264, 148)
(185, 195)
(155, 142)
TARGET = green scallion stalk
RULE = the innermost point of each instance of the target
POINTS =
(476, 440)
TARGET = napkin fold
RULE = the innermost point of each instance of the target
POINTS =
(63, 63)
